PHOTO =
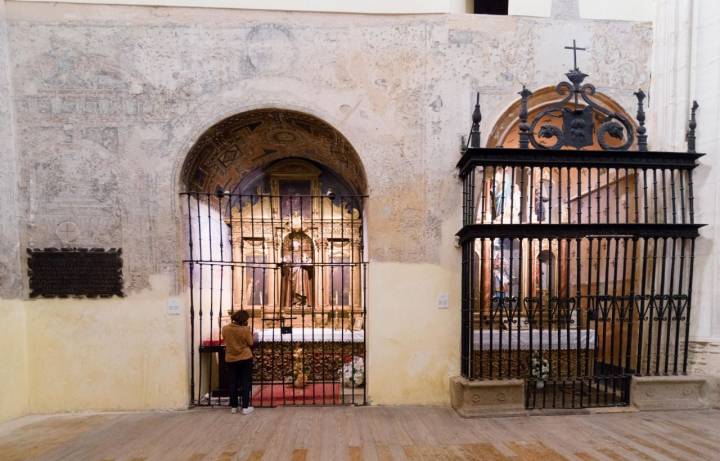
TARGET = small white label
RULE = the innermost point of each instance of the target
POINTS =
(173, 306)
(442, 301)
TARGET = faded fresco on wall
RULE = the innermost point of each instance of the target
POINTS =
(108, 101)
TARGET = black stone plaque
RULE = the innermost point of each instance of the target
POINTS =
(65, 272)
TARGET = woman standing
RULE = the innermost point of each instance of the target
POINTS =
(239, 359)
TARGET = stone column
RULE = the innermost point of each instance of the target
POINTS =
(669, 100)
(705, 87)
(686, 67)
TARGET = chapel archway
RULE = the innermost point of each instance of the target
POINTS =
(244, 143)
(275, 227)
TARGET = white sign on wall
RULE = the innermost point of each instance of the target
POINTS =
(442, 301)
(173, 306)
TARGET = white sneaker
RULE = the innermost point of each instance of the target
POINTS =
(248, 410)
(233, 410)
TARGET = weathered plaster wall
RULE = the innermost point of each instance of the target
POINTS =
(10, 274)
(110, 99)
(14, 363)
(335, 6)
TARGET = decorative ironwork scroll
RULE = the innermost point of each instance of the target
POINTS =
(65, 272)
(578, 113)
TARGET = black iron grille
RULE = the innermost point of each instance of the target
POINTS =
(296, 264)
(577, 270)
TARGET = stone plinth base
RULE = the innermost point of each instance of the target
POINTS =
(669, 392)
(487, 398)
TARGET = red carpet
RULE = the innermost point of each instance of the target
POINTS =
(285, 394)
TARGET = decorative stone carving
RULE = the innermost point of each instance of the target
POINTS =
(67, 231)
(270, 49)
(669, 392)
(243, 142)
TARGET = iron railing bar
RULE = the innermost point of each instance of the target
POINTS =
(627, 230)
(191, 269)
(200, 297)
(212, 296)
(689, 304)
(474, 157)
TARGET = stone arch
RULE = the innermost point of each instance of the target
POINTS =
(505, 131)
(250, 183)
(239, 144)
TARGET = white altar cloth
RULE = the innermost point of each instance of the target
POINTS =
(310, 335)
(550, 340)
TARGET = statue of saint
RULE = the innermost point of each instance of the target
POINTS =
(297, 273)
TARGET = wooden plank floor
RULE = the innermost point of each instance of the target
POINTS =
(359, 434)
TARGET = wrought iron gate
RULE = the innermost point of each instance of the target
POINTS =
(296, 264)
(577, 265)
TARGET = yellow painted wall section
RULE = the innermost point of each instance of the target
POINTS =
(127, 354)
(413, 347)
(110, 354)
(14, 361)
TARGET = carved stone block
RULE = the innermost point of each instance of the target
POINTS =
(669, 392)
(487, 398)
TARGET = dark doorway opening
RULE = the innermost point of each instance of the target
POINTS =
(499, 7)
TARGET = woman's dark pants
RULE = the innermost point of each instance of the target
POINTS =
(240, 374)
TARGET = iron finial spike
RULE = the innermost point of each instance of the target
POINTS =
(524, 142)
(691, 128)
(476, 118)
(641, 131)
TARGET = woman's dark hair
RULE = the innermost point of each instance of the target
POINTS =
(240, 317)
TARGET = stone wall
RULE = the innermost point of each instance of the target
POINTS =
(109, 100)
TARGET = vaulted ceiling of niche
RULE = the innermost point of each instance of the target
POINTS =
(242, 143)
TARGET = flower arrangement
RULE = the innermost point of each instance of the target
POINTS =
(353, 371)
(539, 369)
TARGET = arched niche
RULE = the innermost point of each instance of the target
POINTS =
(245, 143)
(274, 224)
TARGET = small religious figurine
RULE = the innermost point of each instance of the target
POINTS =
(498, 199)
(501, 276)
(300, 377)
(540, 205)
